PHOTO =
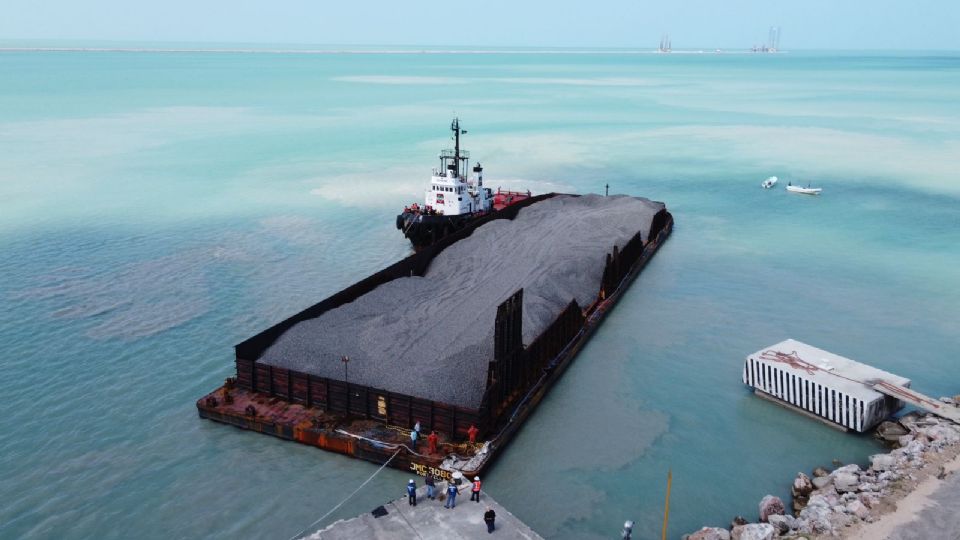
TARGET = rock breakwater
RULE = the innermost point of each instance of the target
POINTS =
(832, 504)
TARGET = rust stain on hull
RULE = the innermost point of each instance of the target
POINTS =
(317, 428)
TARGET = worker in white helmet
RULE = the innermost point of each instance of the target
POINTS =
(475, 491)
(412, 493)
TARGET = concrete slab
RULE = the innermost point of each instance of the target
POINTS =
(429, 520)
(828, 369)
(927, 403)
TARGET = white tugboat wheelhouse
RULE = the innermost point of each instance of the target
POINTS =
(452, 190)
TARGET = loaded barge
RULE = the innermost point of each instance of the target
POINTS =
(442, 340)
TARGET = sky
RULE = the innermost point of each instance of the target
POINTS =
(805, 24)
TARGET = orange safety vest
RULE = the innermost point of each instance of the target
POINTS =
(476, 486)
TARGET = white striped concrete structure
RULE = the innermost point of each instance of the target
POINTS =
(822, 383)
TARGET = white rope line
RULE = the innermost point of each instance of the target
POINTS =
(335, 508)
(390, 446)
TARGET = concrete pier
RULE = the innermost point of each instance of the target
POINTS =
(429, 520)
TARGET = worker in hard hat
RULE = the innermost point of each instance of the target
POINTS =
(412, 493)
(451, 495)
(432, 440)
(472, 433)
(475, 491)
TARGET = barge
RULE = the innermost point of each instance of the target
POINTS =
(317, 378)
(826, 386)
(453, 199)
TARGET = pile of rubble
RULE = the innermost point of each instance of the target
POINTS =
(826, 504)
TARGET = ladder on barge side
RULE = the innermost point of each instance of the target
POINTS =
(927, 403)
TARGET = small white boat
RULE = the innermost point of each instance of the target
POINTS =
(806, 190)
(769, 182)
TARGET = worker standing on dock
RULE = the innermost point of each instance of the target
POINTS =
(432, 442)
(451, 495)
(475, 491)
(412, 493)
(431, 486)
(413, 439)
(489, 516)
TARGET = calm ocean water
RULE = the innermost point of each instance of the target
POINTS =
(157, 208)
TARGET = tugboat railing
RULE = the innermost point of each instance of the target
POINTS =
(451, 153)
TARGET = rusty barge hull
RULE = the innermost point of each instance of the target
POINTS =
(373, 424)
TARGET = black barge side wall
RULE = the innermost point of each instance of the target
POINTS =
(354, 400)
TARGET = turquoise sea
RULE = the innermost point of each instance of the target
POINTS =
(156, 208)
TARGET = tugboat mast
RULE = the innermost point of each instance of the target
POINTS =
(455, 127)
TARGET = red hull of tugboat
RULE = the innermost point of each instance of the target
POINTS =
(503, 199)
(424, 227)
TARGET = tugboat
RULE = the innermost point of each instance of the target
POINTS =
(453, 199)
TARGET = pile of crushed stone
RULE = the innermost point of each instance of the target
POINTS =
(432, 336)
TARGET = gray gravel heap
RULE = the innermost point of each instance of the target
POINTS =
(432, 336)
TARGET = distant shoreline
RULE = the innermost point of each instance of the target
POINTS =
(379, 51)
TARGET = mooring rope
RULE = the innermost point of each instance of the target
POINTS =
(389, 446)
(335, 508)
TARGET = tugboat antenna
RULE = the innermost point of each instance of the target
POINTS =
(455, 126)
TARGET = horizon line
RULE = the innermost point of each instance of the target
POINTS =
(104, 45)
(411, 50)
(446, 50)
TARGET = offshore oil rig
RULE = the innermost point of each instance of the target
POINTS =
(773, 41)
